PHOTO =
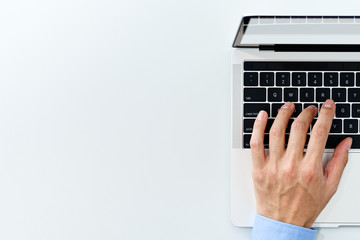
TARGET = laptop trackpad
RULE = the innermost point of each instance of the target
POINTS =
(343, 208)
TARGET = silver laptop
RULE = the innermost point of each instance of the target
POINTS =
(305, 60)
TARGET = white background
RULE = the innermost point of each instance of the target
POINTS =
(115, 117)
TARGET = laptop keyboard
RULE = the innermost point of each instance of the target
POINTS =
(268, 85)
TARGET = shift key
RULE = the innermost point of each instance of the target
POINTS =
(252, 109)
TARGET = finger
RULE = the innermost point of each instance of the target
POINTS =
(320, 132)
(278, 128)
(257, 139)
(299, 130)
(335, 167)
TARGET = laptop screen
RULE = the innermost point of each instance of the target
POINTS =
(258, 30)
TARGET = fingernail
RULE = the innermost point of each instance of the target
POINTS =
(286, 105)
(328, 104)
(312, 107)
(349, 144)
(260, 115)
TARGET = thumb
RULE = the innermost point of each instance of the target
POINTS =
(335, 167)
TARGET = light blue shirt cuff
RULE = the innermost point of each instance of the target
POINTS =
(268, 229)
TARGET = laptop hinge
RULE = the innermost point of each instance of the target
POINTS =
(311, 47)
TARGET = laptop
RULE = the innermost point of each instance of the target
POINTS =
(305, 60)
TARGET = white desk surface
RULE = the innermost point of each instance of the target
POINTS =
(115, 117)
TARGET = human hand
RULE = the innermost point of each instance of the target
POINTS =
(291, 186)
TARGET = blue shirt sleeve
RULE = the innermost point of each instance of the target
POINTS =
(268, 229)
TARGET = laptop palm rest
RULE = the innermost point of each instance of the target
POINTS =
(343, 207)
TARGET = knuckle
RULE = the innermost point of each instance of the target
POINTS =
(254, 143)
(284, 113)
(320, 131)
(309, 174)
(272, 172)
(299, 125)
(289, 172)
(276, 131)
(258, 176)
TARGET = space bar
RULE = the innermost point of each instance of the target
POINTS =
(334, 140)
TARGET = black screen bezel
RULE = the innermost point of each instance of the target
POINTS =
(292, 47)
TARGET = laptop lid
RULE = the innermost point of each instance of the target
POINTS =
(300, 33)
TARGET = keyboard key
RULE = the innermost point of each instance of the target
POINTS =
(298, 109)
(307, 140)
(266, 79)
(354, 94)
(282, 79)
(254, 94)
(351, 126)
(356, 110)
(269, 124)
(342, 110)
(331, 79)
(288, 127)
(252, 109)
(322, 94)
(248, 125)
(275, 109)
(266, 141)
(291, 94)
(299, 79)
(313, 123)
(246, 142)
(274, 94)
(247, 138)
(336, 126)
(339, 94)
(334, 140)
(358, 79)
(346, 79)
(306, 94)
(314, 79)
(250, 79)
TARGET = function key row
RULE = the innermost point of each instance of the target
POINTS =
(347, 79)
(342, 110)
(301, 94)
